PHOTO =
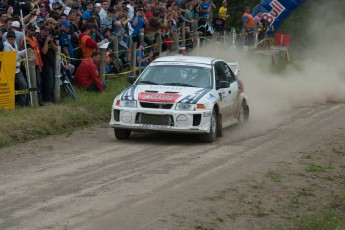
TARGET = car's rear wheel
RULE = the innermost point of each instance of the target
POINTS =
(122, 134)
(212, 135)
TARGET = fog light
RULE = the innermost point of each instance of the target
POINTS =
(126, 117)
(182, 120)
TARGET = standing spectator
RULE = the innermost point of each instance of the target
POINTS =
(248, 26)
(19, 34)
(74, 28)
(204, 12)
(95, 13)
(142, 61)
(3, 19)
(87, 13)
(154, 24)
(130, 7)
(87, 44)
(104, 10)
(109, 20)
(1, 43)
(20, 82)
(259, 27)
(31, 42)
(87, 76)
(43, 10)
(65, 40)
(138, 23)
(223, 11)
(48, 50)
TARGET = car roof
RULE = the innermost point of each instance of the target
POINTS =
(190, 59)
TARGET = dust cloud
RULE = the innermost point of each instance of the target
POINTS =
(315, 76)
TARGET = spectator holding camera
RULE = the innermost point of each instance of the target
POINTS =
(49, 47)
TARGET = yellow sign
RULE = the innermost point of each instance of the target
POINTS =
(7, 75)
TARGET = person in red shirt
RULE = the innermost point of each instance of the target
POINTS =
(87, 76)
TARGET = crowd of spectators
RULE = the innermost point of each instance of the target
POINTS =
(80, 27)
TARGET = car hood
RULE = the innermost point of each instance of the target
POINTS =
(163, 93)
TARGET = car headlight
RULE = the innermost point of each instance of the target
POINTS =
(183, 106)
(126, 103)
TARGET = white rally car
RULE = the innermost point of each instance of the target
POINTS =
(185, 94)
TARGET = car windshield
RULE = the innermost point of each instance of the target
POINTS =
(177, 75)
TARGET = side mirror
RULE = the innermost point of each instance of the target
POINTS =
(131, 79)
(224, 84)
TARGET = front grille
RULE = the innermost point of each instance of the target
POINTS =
(153, 119)
(155, 105)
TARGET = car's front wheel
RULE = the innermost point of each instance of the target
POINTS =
(122, 134)
(212, 135)
(243, 113)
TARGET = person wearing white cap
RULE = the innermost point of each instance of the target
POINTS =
(20, 82)
(15, 26)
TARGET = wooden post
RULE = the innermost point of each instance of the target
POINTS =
(141, 35)
(183, 34)
(32, 69)
(57, 74)
(196, 35)
(116, 46)
(102, 64)
(175, 46)
(132, 59)
(159, 43)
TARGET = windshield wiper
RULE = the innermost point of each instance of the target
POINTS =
(147, 82)
(178, 84)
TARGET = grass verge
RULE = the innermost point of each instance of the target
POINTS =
(29, 123)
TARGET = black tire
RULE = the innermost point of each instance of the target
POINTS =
(243, 113)
(122, 134)
(212, 135)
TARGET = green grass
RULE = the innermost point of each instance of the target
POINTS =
(25, 124)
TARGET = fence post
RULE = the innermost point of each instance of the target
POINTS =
(116, 47)
(196, 35)
(32, 69)
(102, 64)
(132, 59)
(233, 33)
(141, 35)
(159, 43)
(57, 74)
(175, 46)
(183, 34)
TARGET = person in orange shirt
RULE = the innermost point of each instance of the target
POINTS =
(248, 26)
(87, 44)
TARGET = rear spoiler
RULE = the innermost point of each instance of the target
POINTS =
(235, 67)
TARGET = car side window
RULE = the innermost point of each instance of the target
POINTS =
(219, 73)
(228, 74)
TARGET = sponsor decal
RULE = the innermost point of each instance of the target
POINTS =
(276, 11)
(158, 97)
(193, 99)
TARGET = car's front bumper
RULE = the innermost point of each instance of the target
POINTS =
(139, 119)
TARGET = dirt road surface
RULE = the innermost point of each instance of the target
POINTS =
(90, 180)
